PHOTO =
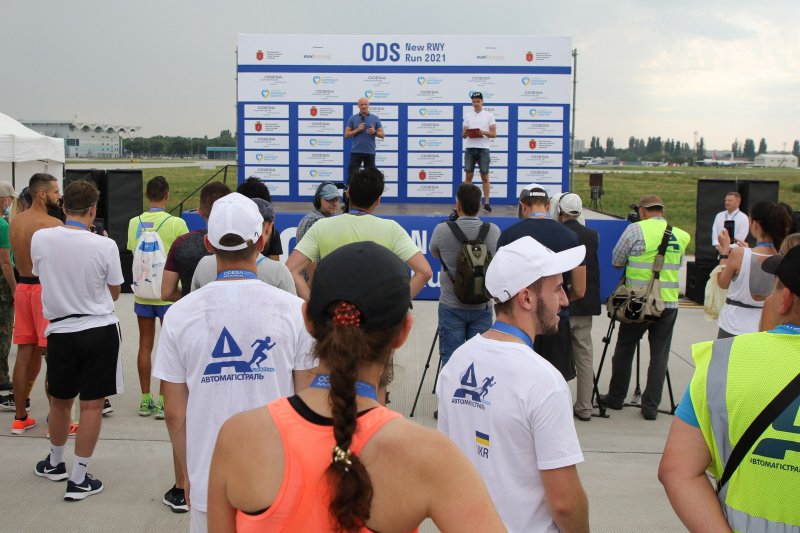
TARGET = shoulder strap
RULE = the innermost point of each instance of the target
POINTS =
(658, 262)
(757, 428)
(457, 231)
(162, 222)
(483, 232)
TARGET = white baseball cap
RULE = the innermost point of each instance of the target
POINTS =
(234, 214)
(520, 263)
(570, 203)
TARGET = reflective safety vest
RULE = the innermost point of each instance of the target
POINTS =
(734, 381)
(639, 269)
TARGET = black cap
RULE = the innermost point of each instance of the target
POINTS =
(786, 267)
(367, 275)
(476, 94)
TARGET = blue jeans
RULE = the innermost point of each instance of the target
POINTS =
(457, 326)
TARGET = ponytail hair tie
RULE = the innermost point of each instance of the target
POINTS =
(342, 456)
(346, 315)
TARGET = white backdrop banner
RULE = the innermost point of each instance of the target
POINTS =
(296, 93)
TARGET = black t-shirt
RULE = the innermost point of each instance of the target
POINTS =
(590, 303)
(184, 255)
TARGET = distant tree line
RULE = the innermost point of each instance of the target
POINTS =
(164, 146)
(671, 150)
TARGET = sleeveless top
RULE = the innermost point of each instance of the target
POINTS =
(304, 496)
(741, 313)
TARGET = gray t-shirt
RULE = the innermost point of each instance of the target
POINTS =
(445, 244)
(269, 271)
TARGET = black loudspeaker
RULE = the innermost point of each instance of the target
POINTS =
(125, 197)
(595, 179)
(126, 260)
(697, 275)
(98, 178)
(710, 201)
(754, 191)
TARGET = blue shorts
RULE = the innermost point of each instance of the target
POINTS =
(150, 311)
(479, 155)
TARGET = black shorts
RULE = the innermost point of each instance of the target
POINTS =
(85, 363)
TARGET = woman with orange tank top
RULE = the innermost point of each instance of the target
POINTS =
(332, 458)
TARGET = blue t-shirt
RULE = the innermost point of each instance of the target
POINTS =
(363, 142)
(547, 231)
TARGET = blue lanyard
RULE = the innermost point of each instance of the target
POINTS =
(367, 390)
(787, 329)
(76, 224)
(356, 211)
(540, 215)
(236, 273)
(155, 209)
(766, 244)
(514, 331)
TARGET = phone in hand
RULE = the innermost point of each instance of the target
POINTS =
(99, 226)
(730, 226)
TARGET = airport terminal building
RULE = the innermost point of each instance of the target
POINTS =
(85, 139)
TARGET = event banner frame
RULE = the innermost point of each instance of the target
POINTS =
(296, 92)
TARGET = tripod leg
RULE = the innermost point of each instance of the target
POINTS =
(595, 391)
(636, 401)
(436, 376)
(425, 371)
(671, 396)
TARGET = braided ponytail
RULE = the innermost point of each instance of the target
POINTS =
(344, 347)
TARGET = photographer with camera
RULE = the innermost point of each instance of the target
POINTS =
(636, 251)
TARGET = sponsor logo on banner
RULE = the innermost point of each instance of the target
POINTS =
(317, 80)
(422, 143)
(313, 172)
(265, 93)
(534, 112)
(313, 111)
(529, 56)
(313, 142)
(532, 144)
(421, 80)
(368, 93)
(260, 55)
(470, 393)
(258, 126)
(526, 81)
(423, 111)
(422, 174)
(259, 157)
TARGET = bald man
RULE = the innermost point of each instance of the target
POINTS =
(362, 128)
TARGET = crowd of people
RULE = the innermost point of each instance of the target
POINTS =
(293, 362)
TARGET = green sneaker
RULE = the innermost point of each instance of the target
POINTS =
(147, 407)
(159, 409)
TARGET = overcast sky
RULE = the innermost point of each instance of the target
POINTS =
(726, 69)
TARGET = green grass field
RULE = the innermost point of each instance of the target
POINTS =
(622, 186)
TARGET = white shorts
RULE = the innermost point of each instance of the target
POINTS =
(198, 521)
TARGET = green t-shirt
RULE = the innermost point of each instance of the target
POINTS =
(4, 240)
(331, 233)
(171, 228)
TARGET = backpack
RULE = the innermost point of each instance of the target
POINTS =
(148, 263)
(471, 263)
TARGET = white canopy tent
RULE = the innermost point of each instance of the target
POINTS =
(23, 152)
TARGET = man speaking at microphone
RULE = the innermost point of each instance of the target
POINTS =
(362, 127)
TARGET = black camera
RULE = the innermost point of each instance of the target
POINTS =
(634, 216)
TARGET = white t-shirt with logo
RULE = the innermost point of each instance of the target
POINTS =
(235, 344)
(482, 121)
(510, 413)
(76, 267)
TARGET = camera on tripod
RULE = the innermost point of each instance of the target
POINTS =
(634, 216)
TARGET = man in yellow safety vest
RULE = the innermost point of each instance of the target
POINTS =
(636, 250)
(734, 380)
